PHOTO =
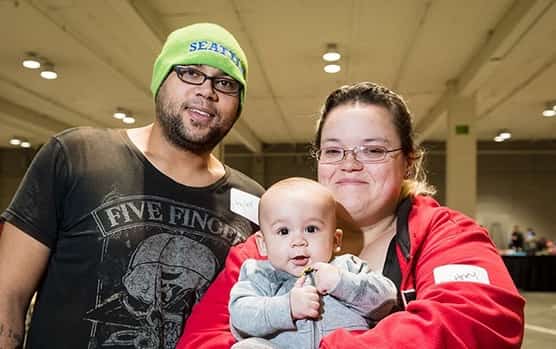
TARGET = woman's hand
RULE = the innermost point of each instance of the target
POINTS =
(304, 301)
(326, 276)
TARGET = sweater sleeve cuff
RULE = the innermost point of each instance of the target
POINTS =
(343, 287)
(280, 311)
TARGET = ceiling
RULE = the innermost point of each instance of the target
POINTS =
(499, 53)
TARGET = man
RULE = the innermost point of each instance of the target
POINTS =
(122, 231)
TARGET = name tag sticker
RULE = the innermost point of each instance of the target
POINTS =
(460, 272)
(245, 204)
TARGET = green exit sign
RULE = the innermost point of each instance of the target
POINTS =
(462, 129)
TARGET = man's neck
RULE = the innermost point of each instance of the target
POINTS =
(183, 166)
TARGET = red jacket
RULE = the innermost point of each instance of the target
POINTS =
(471, 305)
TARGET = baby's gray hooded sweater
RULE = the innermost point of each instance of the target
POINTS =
(260, 303)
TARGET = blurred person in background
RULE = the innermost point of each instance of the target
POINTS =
(517, 240)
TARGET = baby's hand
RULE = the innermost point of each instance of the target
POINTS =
(326, 276)
(304, 301)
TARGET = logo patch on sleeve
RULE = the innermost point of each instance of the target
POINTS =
(245, 204)
(460, 272)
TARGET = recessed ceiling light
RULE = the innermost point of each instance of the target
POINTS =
(549, 109)
(49, 75)
(25, 144)
(128, 120)
(48, 72)
(31, 61)
(499, 139)
(120, 115)
(331, 54)
(505, 134)
(15, 141)
(332, 68)
(31, 64)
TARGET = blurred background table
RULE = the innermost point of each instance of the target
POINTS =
(532, 273)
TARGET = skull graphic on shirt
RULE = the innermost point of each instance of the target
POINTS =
(166, 276)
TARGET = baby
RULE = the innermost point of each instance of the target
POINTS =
(302, 292)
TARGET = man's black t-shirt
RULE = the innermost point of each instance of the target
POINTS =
(131, 249)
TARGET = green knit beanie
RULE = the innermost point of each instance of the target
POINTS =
(202, 43)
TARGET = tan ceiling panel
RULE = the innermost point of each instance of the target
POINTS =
(503, 52)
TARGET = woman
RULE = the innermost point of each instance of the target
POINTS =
(454, 289)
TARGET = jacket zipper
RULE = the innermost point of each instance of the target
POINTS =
(315, 326)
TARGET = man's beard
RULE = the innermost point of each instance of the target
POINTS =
(176, 133)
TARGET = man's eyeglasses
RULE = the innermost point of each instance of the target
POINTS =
(362, 153)
(194, 76)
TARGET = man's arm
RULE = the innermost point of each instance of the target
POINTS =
(22, 262)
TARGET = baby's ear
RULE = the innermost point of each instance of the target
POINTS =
(338, 235)
(261, 246)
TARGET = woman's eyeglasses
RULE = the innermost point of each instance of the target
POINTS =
(362, 153)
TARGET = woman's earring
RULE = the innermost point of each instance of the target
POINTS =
(338, 249)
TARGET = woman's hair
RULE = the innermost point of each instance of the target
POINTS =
(374, 94)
